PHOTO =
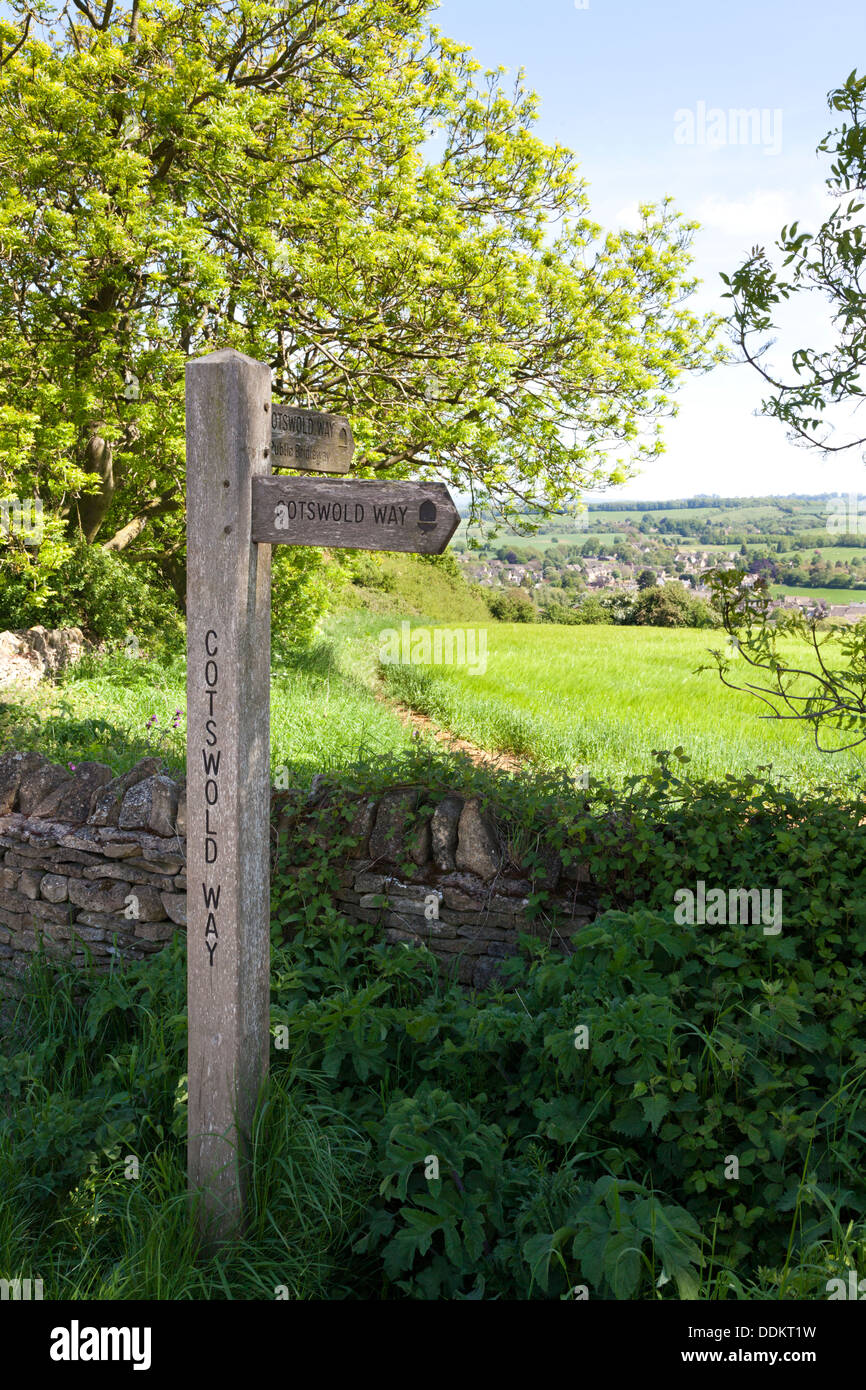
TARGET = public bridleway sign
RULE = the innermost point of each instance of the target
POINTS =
(235, 512)
(310, 440)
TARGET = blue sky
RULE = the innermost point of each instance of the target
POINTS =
(611, 78)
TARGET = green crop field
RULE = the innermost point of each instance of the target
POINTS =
(827, 552)
(606, 697)
(600, 696)
(821, 595)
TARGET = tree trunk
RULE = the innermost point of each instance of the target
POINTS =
(174, 569)
(89, 509)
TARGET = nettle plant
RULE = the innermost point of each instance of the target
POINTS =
(608, 1163)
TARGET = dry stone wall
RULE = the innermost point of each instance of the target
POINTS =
(446, 880)
(94, 867)
(26, 656)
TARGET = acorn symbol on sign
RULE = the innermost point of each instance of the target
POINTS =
(427, 516)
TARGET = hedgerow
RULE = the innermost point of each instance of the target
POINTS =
(460, 1146)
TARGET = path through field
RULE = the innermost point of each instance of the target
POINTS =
(607, 697)
(481, 757)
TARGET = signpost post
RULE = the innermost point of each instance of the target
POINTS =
(228, 401)
(235, 513)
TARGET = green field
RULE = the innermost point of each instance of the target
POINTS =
(606, 697)
(821, 595)
(828, 552)
(773, 517)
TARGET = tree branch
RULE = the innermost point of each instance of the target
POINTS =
(7, 57)
(128, 533)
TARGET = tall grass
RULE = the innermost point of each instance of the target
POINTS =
(117, 710)
(92, 1225)
(606, 697)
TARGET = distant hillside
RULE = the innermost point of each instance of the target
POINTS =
(813, 503)
(412, 586)
(784, 524)
(701, 520)
(800, 543)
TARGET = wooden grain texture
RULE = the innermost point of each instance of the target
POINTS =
(310, 440)
(419, 518)
(228, 426)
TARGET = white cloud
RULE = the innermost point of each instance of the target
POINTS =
(628, 217)
(761, 214)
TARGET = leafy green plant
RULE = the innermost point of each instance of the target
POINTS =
(608, 1231)
(433, 1231)
(606, 1166)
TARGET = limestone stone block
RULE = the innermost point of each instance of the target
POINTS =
(54, 888)
(72, 801)
(29, 882)
(150, 805)
(155, 931)
(14, 767)
(443, 832)
(37, 784)
(388, 837)
(99, 895)
(174, 905)
(478, 848)
(361, 824)
(107, 801)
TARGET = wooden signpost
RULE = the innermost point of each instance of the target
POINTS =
(235, 513)
(228, 399)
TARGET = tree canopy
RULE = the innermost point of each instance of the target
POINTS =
(829, 262)
(826, 688)
(339, 190)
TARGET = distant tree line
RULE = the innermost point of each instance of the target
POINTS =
(656, 605)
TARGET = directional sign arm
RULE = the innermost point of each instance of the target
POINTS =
(417, 518)
(310, 440)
